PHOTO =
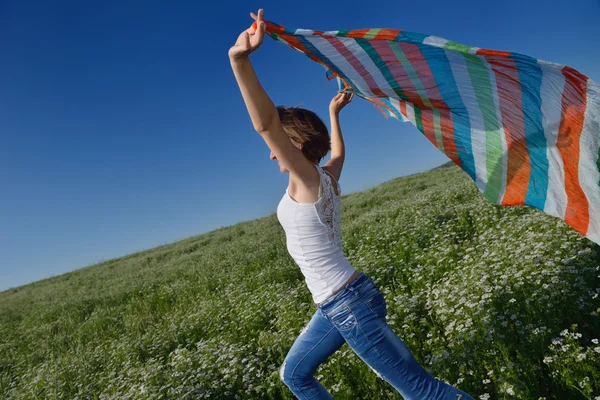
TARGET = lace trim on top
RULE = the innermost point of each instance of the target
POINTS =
(330, 206)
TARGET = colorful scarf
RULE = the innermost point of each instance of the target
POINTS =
(526, 131)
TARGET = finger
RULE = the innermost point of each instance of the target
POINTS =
(247, 40)
(260, 33)
(253, 16)
(260, 15)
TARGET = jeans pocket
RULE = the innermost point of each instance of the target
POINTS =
(376, 304)
(343, 318)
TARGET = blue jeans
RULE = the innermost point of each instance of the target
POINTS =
(356, 315)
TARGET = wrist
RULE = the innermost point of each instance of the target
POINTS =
(238, 59)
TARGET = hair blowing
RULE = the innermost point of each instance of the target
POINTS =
(306, 128)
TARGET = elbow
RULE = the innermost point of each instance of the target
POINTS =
(339, 154)
(262, 128)
(265, 125)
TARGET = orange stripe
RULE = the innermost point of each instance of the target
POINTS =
(569, 133)
(493, 53)
(511, 110)
(387, 34)
(403, 108)
(357, 33)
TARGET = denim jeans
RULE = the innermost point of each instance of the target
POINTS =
(356, 315)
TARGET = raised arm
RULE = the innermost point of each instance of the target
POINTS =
(338, 149)
(261, 109)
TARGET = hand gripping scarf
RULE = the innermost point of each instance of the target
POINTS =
(526, 131)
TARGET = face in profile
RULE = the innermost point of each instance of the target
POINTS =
(282, 167)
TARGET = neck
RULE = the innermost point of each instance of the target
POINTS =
(291, 181)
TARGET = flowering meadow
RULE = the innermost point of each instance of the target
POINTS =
(502, 302)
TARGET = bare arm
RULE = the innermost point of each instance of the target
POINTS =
(338, 149)
(337, 141)
(260, 107)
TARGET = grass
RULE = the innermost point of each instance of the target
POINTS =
(501, 302)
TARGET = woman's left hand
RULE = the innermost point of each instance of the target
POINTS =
(250, 39)
(340, 101)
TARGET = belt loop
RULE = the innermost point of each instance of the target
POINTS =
(353, 289)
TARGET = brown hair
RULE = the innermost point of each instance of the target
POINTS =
(306, 128)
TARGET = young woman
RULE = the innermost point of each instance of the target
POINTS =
(350, 307)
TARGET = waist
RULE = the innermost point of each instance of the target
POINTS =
(352, 278)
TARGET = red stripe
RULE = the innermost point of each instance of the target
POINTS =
(569, 133)
(427, 123)
(403, 108)
(425, 76)
(423, 72)
(398, 72)
(356, 64)
(448, 138)
(511, 111)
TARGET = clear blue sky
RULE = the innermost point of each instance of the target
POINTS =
(122, 127)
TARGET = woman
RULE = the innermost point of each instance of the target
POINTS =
(350, 308)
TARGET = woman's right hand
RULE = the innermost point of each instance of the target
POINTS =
(340, 101)
(250, 39)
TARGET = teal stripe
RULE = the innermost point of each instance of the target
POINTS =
(530, 77)
(411, 73)
(381, 65)
(418, 119)
(441, 69)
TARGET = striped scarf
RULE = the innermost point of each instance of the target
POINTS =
(526, 131)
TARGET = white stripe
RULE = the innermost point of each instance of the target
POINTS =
(458, 63)
(304, 32)
(589, 176)
(551, 91)
(369, 65)
(473, 50)
(410, 113)
(435, 41)
(340, 61)
(396, 103)
(504, 158)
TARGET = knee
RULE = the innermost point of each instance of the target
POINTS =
(291, 375)
(285, 373)
(282, 372)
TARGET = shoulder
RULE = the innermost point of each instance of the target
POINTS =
(333, 180)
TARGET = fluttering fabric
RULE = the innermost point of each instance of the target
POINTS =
(526, 131)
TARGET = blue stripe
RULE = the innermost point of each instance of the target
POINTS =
(530, 77)
(410, 37)
(442, 73)
(387, 102)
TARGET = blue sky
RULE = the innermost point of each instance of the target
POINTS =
(122, 127)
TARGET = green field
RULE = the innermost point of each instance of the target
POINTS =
(502, 302)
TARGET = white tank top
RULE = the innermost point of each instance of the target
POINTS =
(313, 239)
